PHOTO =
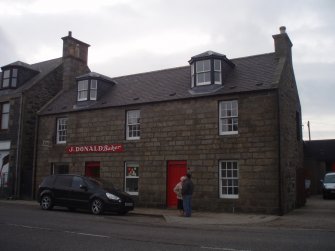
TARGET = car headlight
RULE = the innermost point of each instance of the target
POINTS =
(112, 197)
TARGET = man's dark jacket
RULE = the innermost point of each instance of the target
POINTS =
(187, 188)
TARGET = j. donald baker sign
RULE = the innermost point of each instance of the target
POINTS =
(108, 148)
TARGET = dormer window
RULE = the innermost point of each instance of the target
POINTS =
(203, 72)
(87, 89)
(9, 78)
(207, 68)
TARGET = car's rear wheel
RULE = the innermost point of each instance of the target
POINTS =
(97, 206)
(46, 202)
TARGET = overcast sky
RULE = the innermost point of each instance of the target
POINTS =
(132, 36)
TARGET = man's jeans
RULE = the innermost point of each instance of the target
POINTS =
(187, 205)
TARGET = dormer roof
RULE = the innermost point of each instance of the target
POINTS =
(95, 75)
(210, 54)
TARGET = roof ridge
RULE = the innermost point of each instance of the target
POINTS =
(45, 61)
(252, 56)
(149, 72)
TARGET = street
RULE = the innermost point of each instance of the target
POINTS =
(27, 227)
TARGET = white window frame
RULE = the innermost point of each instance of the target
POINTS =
(228, 117)
(130, 176)
(61, 131)
(202, 70)
(229, 179)
(217, 70)
(9, 78)
(133, 130)
(83, 89)
(5, 108)
(93, 89)
(192, 75)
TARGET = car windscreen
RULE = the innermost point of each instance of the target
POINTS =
(329, 179)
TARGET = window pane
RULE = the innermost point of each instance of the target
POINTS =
(229, 183)
(14, 82)
(61, 130)
(229, 116)
(93, 95)
(199, 66)
(132, 177)
(94, 84)
(4, 121)
(83, 85)
(6, 74)
(207, 77)
(82, 90)
(14, 73)
(5, 116)
(217, 65)
(5, 83)
(217, 77)
(5, 108)
(207, 65)
(133, 124)
(131, 185)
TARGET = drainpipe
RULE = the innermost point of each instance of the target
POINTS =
(280, 202)
(33, 189)
(18, 151)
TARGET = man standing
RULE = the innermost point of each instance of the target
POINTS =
(187, 191)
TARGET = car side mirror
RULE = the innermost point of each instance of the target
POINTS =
(321, 181)
(83, 187)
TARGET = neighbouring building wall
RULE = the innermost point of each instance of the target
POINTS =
(291, 144)
(34, 98)
(177, 130)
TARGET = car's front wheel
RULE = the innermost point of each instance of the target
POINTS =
(46, 202)
(97, 206)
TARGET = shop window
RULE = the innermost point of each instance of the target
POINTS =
(229, 179)
(131, 178)
(92, 169)
(58, 168)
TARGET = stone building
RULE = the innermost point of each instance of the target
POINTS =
(235, 124)
(24, 89)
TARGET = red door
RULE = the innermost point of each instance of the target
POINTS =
(175, 170)
(92, 169)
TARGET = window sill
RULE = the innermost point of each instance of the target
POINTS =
(228, 133)
(229, 197)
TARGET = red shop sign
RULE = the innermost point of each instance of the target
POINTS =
(109, 148)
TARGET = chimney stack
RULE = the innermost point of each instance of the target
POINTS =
(283, 43)
(74, 60)
(75, 48)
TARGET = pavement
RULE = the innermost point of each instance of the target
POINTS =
(205, 218)
(316, 214)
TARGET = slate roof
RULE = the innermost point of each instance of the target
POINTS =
(43, 69)
(252, 73)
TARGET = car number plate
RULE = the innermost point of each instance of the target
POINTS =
(127, 204)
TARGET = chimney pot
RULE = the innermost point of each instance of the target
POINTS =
(70, 33)
(282, 29)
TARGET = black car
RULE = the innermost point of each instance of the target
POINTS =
(75, 191)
